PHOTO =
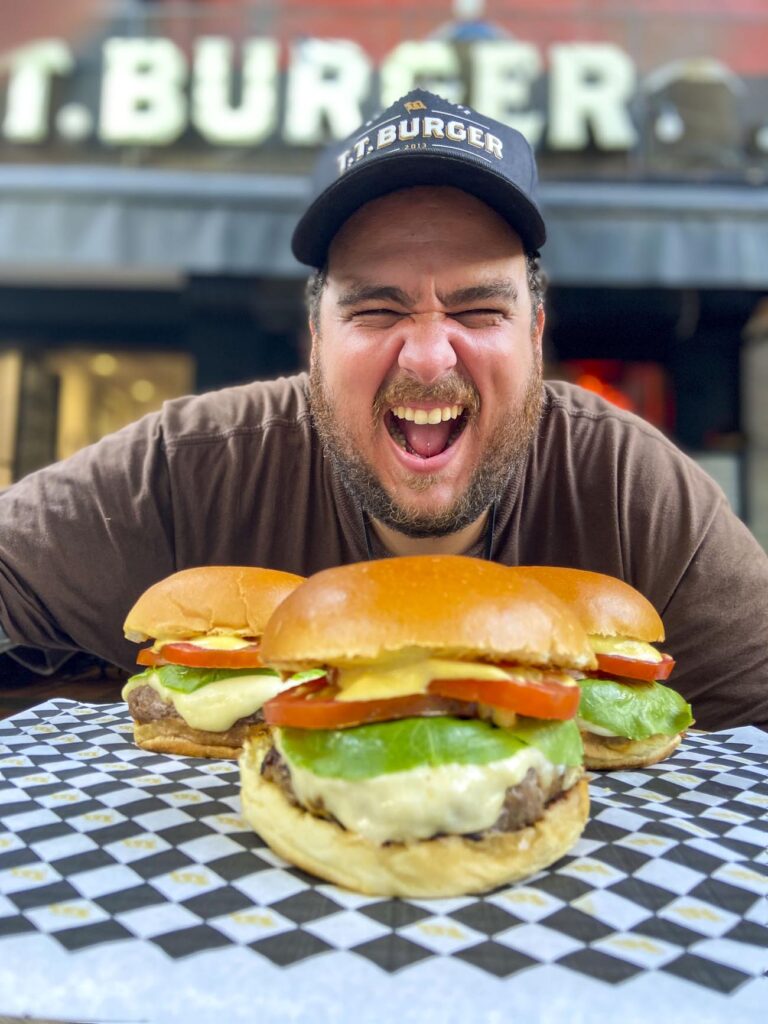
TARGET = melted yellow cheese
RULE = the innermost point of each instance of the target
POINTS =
(403, 676)
(217, 706)
(625, 647)
(423, 802)
(225, 642)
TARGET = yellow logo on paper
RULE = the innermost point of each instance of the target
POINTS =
(230, 820)
(744, 874)
(590, 868)
(33, 874)
(67, 910)
(140, 844)
(189, 878)
(450, 931)
(262, 920)
(526, 897)
(698, 913)
(644, 944)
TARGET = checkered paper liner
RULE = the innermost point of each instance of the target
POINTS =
(104, 845)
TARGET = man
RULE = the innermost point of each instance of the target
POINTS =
(424, 426)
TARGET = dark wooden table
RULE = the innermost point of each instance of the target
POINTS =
(81, 678)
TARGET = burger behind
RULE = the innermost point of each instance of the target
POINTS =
(205, 684)
(439, 753)
(627, 716)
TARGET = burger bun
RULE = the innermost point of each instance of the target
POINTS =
(444, 866)
(205, 600)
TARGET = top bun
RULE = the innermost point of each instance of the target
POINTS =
(605, 605)
(449, 605)
(210, 599)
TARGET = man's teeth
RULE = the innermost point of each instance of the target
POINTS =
(420, 416)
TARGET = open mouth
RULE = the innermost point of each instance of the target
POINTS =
(426, 432)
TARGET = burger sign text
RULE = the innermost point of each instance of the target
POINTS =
(150, 92)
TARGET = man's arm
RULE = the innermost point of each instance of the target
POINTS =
(717, 627)
(80, 540)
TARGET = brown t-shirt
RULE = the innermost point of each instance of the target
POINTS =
(238, 477)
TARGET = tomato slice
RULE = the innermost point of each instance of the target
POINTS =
(636, 668)
(313, 706)
(188, 653)
(537, 698)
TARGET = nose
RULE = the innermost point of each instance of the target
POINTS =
(426, 350)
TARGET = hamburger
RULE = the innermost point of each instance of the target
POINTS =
(627, 716)
(438, 754)
(204, 684)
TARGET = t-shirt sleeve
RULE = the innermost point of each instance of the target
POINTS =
(632, 504)
(716, 622)
(81, 539)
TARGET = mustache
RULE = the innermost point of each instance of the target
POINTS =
(452, 389)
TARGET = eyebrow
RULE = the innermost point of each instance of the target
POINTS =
(499, 289)
(383, 293)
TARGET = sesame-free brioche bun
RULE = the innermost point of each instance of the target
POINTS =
(605, 605)
(174, 736)
(609, 753)
(608, 607)
(212, 600)
(444, 866)
(209, 600)
(474, 608)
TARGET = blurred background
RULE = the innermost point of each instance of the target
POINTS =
(154, 157)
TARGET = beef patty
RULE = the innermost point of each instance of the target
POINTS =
(523, 804)
(146, 705)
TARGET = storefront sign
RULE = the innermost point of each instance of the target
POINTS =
(150, 92)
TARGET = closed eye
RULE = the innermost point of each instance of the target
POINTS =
(474, 319)
(478, 318)
(377, 317)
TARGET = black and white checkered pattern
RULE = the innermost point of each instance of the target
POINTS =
(101, 842)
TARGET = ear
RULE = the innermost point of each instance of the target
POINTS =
(538, 331)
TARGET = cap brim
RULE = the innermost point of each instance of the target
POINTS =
(316, 229)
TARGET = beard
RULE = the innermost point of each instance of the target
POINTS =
(503, 457)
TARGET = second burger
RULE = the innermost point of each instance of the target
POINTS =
(206, 682)
(439, 754)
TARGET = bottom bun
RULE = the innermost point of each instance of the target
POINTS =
(609, 753)
(444, 866)
(174, 736)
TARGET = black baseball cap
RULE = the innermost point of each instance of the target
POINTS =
(422, 139)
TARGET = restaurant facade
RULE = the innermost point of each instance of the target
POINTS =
(154, 157)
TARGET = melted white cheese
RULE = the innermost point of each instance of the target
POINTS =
(217, 706)
(598, 730)
(625, 647)
(403, 676)
(421, 802)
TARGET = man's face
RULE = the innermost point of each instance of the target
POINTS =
(426, 365)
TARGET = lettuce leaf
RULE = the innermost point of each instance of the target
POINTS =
(383, 747)
(635, 711)
(184, 679)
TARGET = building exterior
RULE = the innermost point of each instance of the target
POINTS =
(154, 157)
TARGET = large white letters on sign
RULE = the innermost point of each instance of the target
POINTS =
(502, 75)
(433, 65)
(142, 97)
(214, 114)
(29, 88)
(327, 82)
(590, 85)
